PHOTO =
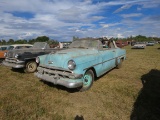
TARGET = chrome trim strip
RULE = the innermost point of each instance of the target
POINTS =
(105, 61)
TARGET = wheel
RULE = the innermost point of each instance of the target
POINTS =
(31, 67)
(119, 64)
(87, 81)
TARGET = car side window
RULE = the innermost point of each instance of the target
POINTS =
(28, 46)
(4, 48)
(17, 47)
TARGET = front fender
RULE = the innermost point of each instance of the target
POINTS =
(84, 63)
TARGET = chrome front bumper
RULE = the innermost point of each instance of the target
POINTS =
(60, 77)
(13, 63)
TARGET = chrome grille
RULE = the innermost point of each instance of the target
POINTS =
(55, 72)
(10, 54)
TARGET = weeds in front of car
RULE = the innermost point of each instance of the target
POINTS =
(132, 91)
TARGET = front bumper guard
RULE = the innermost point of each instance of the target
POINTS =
(13, 63)
(69, 80)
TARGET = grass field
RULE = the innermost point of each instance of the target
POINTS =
(132, 92)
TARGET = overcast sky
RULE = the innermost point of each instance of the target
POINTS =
(62, 19)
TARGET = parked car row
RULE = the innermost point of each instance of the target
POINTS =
(142, 45)
(74, 67)
(25, 58)
(5, 48)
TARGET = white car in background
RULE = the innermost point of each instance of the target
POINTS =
(19, 46)
(139, 45)
(151, 43)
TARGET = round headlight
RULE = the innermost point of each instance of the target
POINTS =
(16, 55)
(37, 60)
(71, 65)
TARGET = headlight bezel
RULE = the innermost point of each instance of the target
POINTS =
(37, 60)
(16, 55)
(71, 65)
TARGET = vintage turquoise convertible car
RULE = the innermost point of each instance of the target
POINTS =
(77, 66)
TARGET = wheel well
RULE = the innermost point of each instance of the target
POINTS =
(94, 72)
(29, 60)
(122, 58)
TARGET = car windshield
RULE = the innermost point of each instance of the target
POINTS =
(39, 45)
(3, 48)
(84, 44)
(10, 47)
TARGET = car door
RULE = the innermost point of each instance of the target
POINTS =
(108, 58)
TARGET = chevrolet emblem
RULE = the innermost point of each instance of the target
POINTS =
(50, 62)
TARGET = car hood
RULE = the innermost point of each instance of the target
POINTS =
(61, 58)
(24, 52)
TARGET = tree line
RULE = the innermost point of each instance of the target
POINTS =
(139, 38)
(30, 41)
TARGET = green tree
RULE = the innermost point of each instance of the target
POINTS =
(42, 39)
(4, 42)
(141, 38)
(32, 41)
(20, 42)
(10, 42)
